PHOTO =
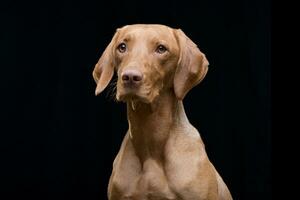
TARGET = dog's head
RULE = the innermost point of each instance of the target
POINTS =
(150, 59)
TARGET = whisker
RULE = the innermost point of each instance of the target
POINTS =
(112, 88)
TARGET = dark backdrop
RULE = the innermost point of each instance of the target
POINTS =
(58, 140)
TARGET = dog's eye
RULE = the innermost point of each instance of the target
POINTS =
(161, 49)
(122, 47)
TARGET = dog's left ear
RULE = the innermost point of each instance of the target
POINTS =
(104, 69)
(192, 65)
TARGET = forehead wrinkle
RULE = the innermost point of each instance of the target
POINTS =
(132, 36)
(158, 40)
(126, 38)
(164, 35)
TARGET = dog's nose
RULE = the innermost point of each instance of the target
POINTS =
(131, 76)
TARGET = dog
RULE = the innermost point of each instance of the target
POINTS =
(162, 156)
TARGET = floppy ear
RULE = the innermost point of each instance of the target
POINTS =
(104, 69)
(192, 65)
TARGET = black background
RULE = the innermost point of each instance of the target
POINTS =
(58, 140)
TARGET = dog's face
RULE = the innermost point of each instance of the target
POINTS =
(150, 59)
(146, 57)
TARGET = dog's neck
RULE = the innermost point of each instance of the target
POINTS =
(150, 125)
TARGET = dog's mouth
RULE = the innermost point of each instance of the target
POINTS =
(126, 94)
(132, 96)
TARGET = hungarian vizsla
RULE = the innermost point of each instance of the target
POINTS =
(162, 156)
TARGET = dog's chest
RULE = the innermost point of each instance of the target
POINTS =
(149, 184)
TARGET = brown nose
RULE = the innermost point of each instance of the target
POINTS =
(132, 76)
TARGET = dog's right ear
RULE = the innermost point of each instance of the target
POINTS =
(104, 69)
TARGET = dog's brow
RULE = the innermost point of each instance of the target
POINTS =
(159, 41)
(127, 37)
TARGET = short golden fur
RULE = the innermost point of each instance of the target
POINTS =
(162, 156)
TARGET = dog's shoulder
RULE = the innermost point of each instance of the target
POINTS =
(186, 137)
(187, 155)
(184, 143)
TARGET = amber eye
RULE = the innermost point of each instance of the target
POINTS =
(161, 49)
(122, 47)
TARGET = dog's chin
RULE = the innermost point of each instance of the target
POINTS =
(133, 96)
